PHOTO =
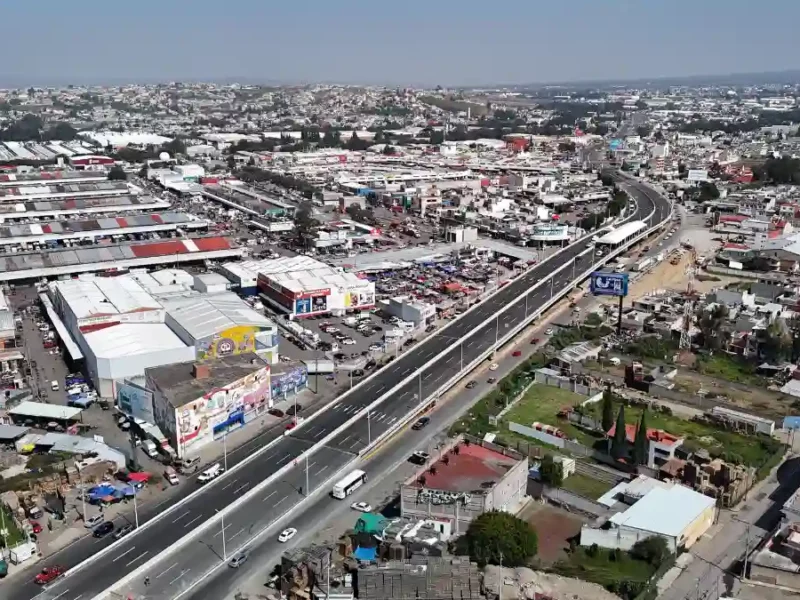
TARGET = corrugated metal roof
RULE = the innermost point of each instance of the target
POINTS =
(665, 511)
(204, 316)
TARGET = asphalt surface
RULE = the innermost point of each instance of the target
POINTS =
(141, 547)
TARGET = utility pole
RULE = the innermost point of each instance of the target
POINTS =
(308, 489)
(369, 430)
(746, 551)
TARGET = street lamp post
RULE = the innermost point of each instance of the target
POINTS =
(135, 508)
(222, 522)
(225, 447)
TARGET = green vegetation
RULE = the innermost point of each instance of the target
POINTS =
(14, 534)
(542, 403)
(651, 346)
(476, 422)
(453, 105)
(499, 537)
(726, 367)
(617, 571)
(551, 472)
(751, 450)
(585, 486)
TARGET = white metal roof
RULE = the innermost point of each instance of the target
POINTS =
(203, 316)
(132, 339)
(45, 411)
(105, 295)
(623, 231)
(665, 511)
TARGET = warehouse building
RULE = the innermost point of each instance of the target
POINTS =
(668, 510)
(123, 325)
(301, 286)
(63, 190)
(221, 325)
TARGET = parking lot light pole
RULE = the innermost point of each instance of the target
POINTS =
(497, 330)
(225, 448)
(552, 278)
(369, 430)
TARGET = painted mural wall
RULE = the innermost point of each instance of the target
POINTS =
(222, 410)
(236, 340)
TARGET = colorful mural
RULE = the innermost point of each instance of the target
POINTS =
(236, 340)
(223, 409)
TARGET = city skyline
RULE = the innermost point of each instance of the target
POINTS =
(354, 42)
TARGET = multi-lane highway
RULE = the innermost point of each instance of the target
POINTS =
(148, 543)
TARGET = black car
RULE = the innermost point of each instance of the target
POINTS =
(294, 408)
(422, 422)
(358, 372)
(471, 384)
(123, 531)
(275, 412)
(419, 458)
(103, 529)
(492, 380)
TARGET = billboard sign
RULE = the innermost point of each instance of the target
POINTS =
(697, 175)
(136, 401)
(791, 423)
(550, 232)
(609, 284)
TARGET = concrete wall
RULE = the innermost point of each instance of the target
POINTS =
(698, 527)
(536, 434)
(623, 537)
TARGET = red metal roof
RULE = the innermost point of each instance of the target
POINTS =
(157, 219)
(122, 222)
(47, 229)
(212, 243)
(732, 246)
(158, 249)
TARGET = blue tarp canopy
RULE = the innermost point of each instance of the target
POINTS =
(365, 554)
(102, 490)
(125, 490)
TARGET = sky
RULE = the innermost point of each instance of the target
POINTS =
(406, 42)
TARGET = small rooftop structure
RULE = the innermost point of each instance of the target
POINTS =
(185, 382)
(40, 410)
(474, 468)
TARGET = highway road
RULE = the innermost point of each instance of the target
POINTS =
(387, 468)
(144, 545)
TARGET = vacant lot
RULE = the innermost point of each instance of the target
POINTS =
(542, 404)
(554, 527)
(604, 567)
(586, 486)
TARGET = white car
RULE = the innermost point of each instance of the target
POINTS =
(494, 367)
(361, 507)
(211, 473)
(349, 342)
(549, 332)
(287, 534)
(94, 521)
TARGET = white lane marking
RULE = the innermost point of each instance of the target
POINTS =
(197, 518)
(267, 497)
(237, 533)
(427, 374)
(406, 371)
(347, 438)
(279, 502)
(128, 551)
(61, 594)
(184, 572)
(321, 433)
(180, 517)
(380, 389)
(78, 597)
(241, 487)
(230, 484)
(286, 456)
(167, 570)
(138, 557)
(321, 469)
(392, 421)
(354, 443)
(221, 530)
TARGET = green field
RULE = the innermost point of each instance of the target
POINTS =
(13, 535)
(585, 486)
(605, 568)
(725, 367)
(542, 403)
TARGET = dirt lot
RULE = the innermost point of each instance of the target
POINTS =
(554, 527)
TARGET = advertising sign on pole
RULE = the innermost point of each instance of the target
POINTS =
(609, 284)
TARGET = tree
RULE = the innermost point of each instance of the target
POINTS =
(304, 222)
(643, 131)
(62, 132)
(777, 341)
(640, 443)
(496, 537)
(389, 150)
(175, 147)
(551, 472)
(653, 550)
(608, 409)
(619, 443)
(355, 212)
(117, 174)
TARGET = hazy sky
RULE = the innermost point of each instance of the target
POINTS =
(455, 42)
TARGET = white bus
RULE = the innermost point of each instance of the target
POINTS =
(349, 484)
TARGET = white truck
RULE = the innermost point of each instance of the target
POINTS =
(150, 448)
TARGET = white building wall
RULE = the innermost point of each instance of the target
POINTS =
(623, 537)
(509, 491)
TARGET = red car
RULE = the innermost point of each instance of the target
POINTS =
(291, 425)
(48, 574)
(36, 527)
(516, 353)
(535, 341)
